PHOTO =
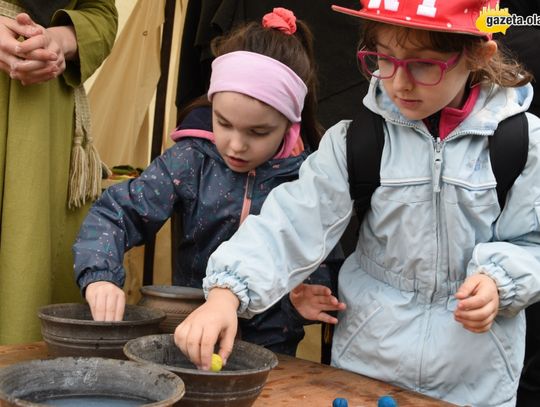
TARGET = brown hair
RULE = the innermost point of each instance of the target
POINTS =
(295, 51)
(500, 69)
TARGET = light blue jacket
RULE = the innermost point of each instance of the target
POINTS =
(429, 227)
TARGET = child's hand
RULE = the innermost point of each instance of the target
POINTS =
(478, 303)
(107, 301)
(311, 300)
(215, 320)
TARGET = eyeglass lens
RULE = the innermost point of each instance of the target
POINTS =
(423, 72)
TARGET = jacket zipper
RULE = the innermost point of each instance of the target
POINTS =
(437, 164)
(246, 204)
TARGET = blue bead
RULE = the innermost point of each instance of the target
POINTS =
(340, 402)
(386, 401)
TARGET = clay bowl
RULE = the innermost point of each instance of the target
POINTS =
(177, 302)
(237, 385)
(69, 330)
(75, 382)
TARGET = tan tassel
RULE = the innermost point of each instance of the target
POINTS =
(86, 166)
(77, 172)
(93, 182)
(93, 187)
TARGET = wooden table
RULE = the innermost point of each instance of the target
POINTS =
(294, 382)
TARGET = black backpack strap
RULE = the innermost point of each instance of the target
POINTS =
(365, 142)
(508, 151)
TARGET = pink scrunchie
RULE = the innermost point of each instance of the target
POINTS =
(280, 19)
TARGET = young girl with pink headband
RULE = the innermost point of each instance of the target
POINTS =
(442, 271)
(252, 133)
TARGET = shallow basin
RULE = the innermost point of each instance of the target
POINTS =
(76, 382)
(237, 385)
(69, 330)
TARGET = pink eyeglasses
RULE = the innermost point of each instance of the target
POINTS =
(422, 71)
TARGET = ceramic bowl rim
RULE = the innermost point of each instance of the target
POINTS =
(273, 360)
(159, 371)
(159, 316)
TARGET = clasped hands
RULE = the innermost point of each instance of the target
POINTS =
(41, 54)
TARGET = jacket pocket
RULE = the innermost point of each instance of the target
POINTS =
(537, 211)
(355, 321)
(497, 335)
(469, 195)
(502, 348)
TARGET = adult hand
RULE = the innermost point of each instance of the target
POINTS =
(312, 300)
(107, 301)
(215, 320)
(10, 31)
(478, 303)
(43, 55)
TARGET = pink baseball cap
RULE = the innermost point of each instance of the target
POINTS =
(457, 16)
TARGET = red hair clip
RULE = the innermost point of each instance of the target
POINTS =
(280, 19)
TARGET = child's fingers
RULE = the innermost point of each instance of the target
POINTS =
(320, 290)
(328, 300)
(472, 303)
(93, 309)
(181, 334)
(192, 346)
(102, 296)
(209, 338)
(329, 319)
(330, 304)
(476, 326)
(480, 314)
(323, 301)
(226, 344)
(100, 307)
(120, 308)
(296, 291)
(466, 289)
(110, 307)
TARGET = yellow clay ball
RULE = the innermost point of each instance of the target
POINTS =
(217, 363)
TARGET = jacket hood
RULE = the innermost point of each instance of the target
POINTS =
(494, 104)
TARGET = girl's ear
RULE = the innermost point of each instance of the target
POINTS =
(482, 55)
(487, 51)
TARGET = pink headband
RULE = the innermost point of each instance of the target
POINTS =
(262, 78)
(265, 79)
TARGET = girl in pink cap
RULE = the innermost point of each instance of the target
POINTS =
(245, 139)
(442, 272)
